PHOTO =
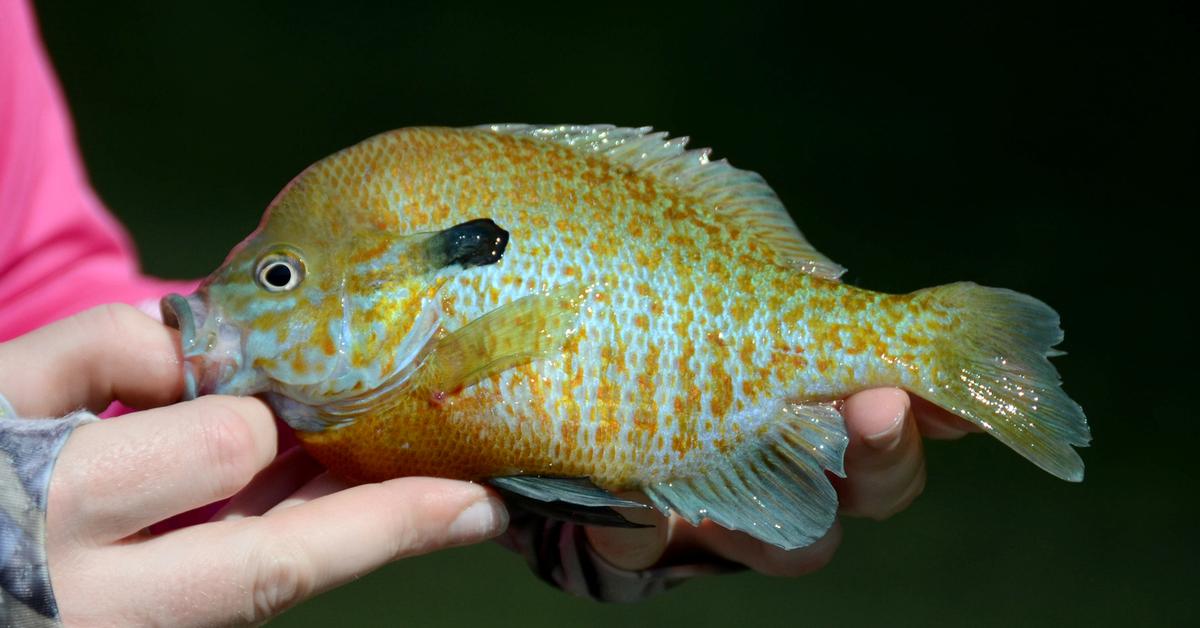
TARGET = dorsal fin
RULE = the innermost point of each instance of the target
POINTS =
(738, 193)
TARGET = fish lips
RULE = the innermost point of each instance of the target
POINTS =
(211, 351)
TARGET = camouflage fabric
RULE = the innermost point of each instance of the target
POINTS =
(28, 448)
(558, 552)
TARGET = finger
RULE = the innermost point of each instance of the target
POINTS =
(250, 569)
(761, 557)
(118, 476)
(885, 463)
(284, 476)
(258, 487)
(319, 486)
(90, 359)
(632, 549)
(935, 422)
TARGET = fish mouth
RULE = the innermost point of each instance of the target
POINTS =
(211, 350)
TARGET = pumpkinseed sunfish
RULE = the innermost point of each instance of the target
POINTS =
(569, 311)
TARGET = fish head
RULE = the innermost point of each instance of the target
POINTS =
(319, 305)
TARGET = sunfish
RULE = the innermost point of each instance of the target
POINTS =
(572, 311)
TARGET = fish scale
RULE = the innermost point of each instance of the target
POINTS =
(598, 302)
(572, 428)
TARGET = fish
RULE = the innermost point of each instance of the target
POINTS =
(569, 312)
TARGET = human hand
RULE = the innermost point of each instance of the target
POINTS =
(289, 532)
(885, 472)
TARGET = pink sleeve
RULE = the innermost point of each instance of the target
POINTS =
(60, 251)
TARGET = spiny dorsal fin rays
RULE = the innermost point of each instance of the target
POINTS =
(738, 193)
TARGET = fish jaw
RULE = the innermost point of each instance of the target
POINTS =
(212, 351)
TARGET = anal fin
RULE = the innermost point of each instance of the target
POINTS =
(773, 488)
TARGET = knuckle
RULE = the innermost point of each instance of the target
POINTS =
(108, 321)
(816, 562)
(904, 498)
(915, 488)
(117, 318)
(779, 563)
(885, 513)
(776, 568)
(230, 447)
(407, 537)
(280, 576)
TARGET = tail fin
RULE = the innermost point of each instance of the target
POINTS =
(997, 376)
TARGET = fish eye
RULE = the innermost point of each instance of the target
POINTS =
(279, 272)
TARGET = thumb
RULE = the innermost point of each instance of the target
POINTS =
(885, 462)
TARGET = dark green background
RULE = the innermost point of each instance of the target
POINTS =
(1046, 148)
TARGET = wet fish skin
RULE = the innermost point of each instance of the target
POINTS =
(648, 319)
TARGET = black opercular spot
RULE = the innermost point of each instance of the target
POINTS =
(475, 243)
(278, 275)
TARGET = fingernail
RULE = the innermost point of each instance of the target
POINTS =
(482, 520)
(889, 437)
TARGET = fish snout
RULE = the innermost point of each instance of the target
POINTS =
(211, 349)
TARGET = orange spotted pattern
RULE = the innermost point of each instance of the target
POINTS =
(693, 334)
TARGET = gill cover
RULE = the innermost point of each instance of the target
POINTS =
(311, 323)
(389, 316)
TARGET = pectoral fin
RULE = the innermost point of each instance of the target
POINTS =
(579, 491)
(567, 499)
(529, 328)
